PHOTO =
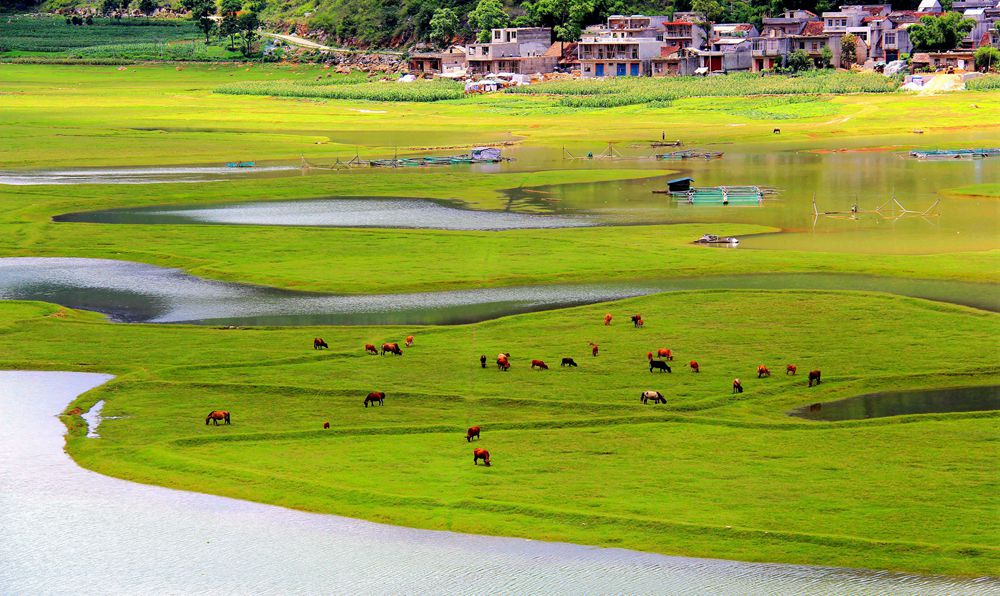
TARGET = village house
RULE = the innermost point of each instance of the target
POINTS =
(517, 50)
(451, 59)
(624, 46)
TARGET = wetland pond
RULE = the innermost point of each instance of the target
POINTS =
(900, 403)
(67, 530)
(140, 293)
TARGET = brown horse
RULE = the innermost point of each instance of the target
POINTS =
(665, 353)
(762, 371)
(655, 396)
(480, 454)
(409, 340)
(541, 365)
(217, 415)
(737, 386)
(472, 432)
(814, 375)
(371, 349)
(791, 369)
(326, 425)
(694, 366)
(375, 396)
(392, 348)
(607, 319)
(319, 344)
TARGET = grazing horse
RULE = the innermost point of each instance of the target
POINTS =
(482, 361)
(737, 386)
(371, 349)
(791, 369)
(762, 371)
(541, 365)
(472, 432)
(480, 454)
(655, 396)
(217, 415)
(392, 348)
(409, 340)
(567, 362)
(814, 376)
(607, 319)
(665, 353)
(694, 366)
(637, 320)
(659, 365)
(375, 396)
(319, 344)
(326, 425)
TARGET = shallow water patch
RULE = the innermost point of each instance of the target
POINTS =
(901, 403)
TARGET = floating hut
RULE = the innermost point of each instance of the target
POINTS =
(679, 185)
(239, 164)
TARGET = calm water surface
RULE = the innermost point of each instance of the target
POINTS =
(136, 292)
(184, 174)
(898, 403)
(66, 530)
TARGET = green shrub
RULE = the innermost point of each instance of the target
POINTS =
(421, 91)
(987, 83)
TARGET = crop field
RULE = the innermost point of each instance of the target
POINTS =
(51, 33)
(575, 454)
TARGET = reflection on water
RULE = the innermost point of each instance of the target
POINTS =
(66, 530)
(137, 175)
(925, 401)
(136, 292)
(339, 212)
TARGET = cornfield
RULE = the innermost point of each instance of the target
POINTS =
(196, 51)
(46, 33)
(421, 91)
(987, 83)
(622, 91)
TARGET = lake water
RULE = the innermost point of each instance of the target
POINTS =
(899, 403)
(66, 530)
(137, 292)
(181, 174)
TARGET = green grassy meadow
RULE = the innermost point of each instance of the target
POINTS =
(576, 456)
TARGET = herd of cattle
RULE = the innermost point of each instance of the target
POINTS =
(657, 363)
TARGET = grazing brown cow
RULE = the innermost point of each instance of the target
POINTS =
(649, 356)
(480, 454)
(409, 340)
(217, 415)
(814, 376)
(375, 396)
(655, 396)
(319, 344)
(392, 348)
(791, 369)
(607, 319)
(665, 353)
(502, 363)
(538, 363)
(326, 425)
(659, 365)
(737, 386)
(567, 362)
(472, 432)
(694, 366)
(594, 348)
(637, 320)
(482, 361)
(371, 349)
(762, 371)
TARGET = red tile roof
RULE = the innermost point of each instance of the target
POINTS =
(666, 51)
(813, 28)
(678, 23)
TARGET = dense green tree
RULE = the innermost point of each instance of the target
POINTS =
(799, 60)
(110, 6)
(710, 10)
(826, 58)
(987, 58)
(229, 26)
(940, 33)
(848, 50)
(488, 14)
(444, 25)
(230, 7)
(248, 23)
(146, 6)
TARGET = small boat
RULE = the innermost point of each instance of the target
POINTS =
(713, 239)
(239, 164)
(666, 144)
